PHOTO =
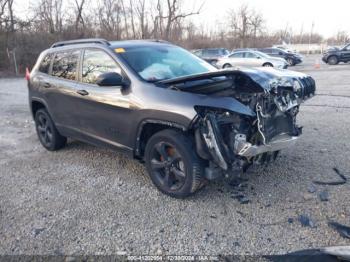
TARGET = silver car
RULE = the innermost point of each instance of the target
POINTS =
(251, 58)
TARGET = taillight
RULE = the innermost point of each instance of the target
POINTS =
(27, 77)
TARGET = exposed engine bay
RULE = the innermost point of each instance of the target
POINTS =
(231, 141)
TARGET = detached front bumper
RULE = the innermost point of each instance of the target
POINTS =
(246, 149)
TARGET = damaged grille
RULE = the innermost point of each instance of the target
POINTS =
(309, 87)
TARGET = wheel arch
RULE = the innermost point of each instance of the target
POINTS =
(36, 104)
(148, 128)
(268, 63)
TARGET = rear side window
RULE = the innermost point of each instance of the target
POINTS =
(45, 64)
(65, 64)
(237, 55)
(95, 63)
(211, 52)
(249, 55)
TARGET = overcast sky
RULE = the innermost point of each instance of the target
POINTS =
(328, 16)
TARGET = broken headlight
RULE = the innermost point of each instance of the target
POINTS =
(281, 82)
(297, 86)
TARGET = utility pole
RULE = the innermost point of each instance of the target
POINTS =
(311, 32)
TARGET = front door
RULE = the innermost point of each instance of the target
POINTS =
(345, 54)
(104, 112)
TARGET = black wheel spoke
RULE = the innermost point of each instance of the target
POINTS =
(156, 164)
(167, 166)
(49, 135)
(162, 151)
(41, 120)
(179, 174)
(166, 180)
(41, 129)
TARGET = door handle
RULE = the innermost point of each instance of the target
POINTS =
(46, 85)
(83, 92)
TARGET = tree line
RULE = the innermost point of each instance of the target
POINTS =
(22, 38)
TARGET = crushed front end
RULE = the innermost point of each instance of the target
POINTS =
(231, 141)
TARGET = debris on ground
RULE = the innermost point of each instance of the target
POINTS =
(37, 231)
(307, 196)
(333, 183)
(311, 188)
(343, 230)
(306, 221)
(290, 220)
(324, 196)
(241, 198)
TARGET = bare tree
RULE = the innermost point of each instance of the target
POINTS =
(171, 15)
(49, 16)
(240, 23)
(110, 18)
(79, 20)
(3, 4)
(245, 23)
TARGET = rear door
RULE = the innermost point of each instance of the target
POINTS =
(60, 87)
(277, 53)
(236, 59)
(104, 112)
(252, 60)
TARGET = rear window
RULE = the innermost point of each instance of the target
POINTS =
(65, 64)
(211, 52)
(45, 64)
(237, 55)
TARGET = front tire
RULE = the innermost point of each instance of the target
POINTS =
(174, 167)
(333, 60)
(47, 132)
(227, 66)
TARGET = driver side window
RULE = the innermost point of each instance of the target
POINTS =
(95, 63)
(250, 55)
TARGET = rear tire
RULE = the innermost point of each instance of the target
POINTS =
(47, 132)
(290, 62)
(174, 167)
(333, 60)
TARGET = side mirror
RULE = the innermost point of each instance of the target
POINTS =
(280, 53)
(111, 79)
(258, 57)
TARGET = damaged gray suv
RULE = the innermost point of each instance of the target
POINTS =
(186, 120)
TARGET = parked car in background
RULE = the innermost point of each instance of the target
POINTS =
(285, 48)
(211, 55)
(251, 58)
(292, 58)
(335, 55)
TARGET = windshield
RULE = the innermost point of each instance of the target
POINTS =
(164, 62)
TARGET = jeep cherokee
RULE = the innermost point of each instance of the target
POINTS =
(186, 120)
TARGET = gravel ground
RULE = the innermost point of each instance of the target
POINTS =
(86, 200)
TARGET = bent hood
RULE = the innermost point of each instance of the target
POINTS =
(262, 76)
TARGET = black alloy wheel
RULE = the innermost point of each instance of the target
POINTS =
(173, 164)
(47, 132)
(168, 166)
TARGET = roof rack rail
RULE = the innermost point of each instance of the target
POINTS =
(82, 41)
